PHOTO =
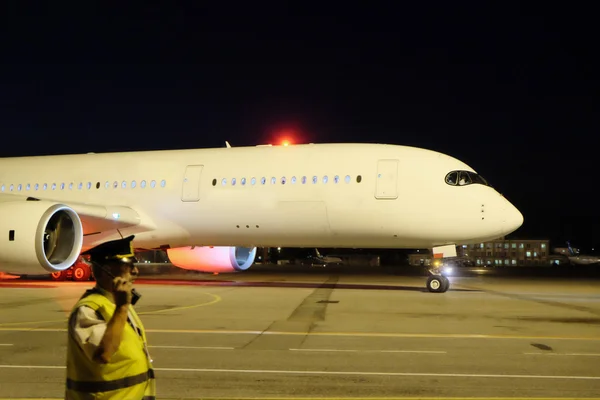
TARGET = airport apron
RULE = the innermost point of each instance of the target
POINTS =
(128, 375)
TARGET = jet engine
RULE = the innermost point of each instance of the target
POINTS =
(38, 233)
(213, 259)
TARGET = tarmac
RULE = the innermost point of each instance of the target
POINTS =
(277, 332)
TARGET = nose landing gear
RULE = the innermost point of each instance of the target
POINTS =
(438, 284)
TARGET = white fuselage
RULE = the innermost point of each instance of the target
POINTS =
(401, 201)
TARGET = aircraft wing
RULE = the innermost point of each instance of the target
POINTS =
(94, 218)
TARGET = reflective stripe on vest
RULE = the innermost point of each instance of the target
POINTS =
(129, 373)
(106, 386)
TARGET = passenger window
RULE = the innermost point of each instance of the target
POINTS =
(315, 179)
(232, 181)
(263, 180)
(273, 180)
(304, 180)
(336, 179)
(347, 179)
(253, 181)
(243, 181)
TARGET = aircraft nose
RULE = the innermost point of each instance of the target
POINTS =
(513, 219)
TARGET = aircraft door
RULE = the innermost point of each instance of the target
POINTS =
(387, 179)
(191, 183)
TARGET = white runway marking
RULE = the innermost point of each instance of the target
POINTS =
(339, 373)
(445, 336)
(193, 347)
(565, 354)
(372, 351)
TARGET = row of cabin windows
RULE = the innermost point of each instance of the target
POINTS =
(124, 184)
(283, 180)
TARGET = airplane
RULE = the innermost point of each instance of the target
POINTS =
(211, 208)
(574, 257)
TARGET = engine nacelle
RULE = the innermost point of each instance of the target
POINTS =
(213, 259)
(38, 233)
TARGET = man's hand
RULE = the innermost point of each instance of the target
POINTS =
(122, 292)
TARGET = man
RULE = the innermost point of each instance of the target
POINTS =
(107, 353)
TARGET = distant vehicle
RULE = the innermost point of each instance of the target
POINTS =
(572, 254)
(313, 258)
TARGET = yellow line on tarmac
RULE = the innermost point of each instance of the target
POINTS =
(215, 299)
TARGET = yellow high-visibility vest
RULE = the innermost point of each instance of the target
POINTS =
(128, 375)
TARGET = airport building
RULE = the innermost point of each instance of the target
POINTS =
(500, 252)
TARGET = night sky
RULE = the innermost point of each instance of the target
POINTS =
(511, 90)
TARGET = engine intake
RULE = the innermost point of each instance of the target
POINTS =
(213, 259)
(38, 233)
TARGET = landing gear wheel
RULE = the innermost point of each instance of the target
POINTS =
(59, 275)
(437, 284)
(81, 272)
(446, 284)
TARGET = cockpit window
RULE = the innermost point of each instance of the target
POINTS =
(462, 178)
(452, 178)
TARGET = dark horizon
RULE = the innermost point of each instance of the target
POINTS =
(510, 90)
